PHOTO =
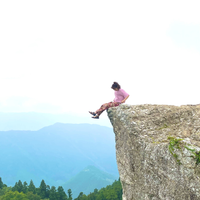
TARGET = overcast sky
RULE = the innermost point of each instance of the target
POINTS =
(63, 56)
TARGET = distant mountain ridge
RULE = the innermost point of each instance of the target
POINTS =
(56, 153)
(35, 121)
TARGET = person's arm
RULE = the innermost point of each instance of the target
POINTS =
(123, 101)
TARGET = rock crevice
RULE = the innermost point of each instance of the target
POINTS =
(148, 169)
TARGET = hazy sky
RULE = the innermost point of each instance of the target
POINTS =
(63, 56)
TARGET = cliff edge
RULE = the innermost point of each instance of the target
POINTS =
(158, 151)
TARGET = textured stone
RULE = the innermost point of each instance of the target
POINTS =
(148, 171)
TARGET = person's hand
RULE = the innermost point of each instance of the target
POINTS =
(123, 101)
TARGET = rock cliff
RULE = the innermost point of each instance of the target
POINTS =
(158, 151)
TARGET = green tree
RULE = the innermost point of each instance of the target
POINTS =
(48, 191)
(14, 196)
(70, 194)
(95, 191)
(61, 193)
(118, 189)
(31, 187)
(1, 183)
(81, 196)
(15, 187)
(91, 196)
(111, 195)
(101, 195)
(42, 189)
(32, 196)
(25, 187)
(18, 187)
(53, 193)
(4, 190)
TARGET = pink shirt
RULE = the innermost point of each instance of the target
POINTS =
(120, 95)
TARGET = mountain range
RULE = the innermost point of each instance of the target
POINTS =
(56, 153)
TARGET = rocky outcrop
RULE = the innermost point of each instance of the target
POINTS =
(158, 151)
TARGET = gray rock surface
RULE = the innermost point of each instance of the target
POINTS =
(147, 168)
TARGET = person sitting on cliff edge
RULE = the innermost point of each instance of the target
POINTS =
(120, 97)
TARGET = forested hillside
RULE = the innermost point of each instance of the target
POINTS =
(111, 192)
(24, 191)
(89, 179)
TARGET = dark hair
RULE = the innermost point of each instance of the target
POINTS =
(115, 85)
